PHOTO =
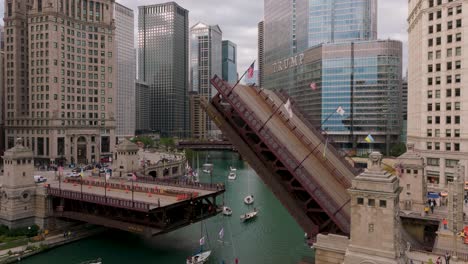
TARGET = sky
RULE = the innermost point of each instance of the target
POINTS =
(238, 19)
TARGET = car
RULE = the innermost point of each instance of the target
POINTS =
(39, 178)
(72, 175)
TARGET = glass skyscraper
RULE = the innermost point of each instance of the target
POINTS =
(163, 47)
(229, 62)
(126, 67)
(345, 66)
(205, 62)
(332, 21)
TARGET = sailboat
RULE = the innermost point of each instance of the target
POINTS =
(249, 199)
(227, 211)
(202, 256)
(249, 215)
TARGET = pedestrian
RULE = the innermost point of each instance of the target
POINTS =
(447, 258)
(445, 223)
(439, 260)
(432, 207)
(64, 234)
(426, 210)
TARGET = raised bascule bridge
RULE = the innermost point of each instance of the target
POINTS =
(307, 175)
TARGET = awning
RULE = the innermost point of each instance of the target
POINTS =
(432, 195)
(444, 194)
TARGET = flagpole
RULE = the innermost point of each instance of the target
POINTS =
(105, 187)
(133, 203)
(238, 81)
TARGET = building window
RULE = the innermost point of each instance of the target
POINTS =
(431, 16)
(429, 145)
(429, 68)
(457, 119)
(371, 202)
(457, 92)
(448, 106)
(439, 14)
(437, 106)
(449, 25)
(438, 54)
(437, 133)
(429, 94)
(459, 9)
(449, 67)
(458, 37)
(383, 203)
(448, 120)
(437, 119)
(429, 120)
(457, 133)
(449, 39)
(456, 146)
(429, 81)
(451, 163)
(458, 23)
(429, 133)
(448, 133)
(457, 106)
(433, 162)
(458, 51)
(430, 55)
(360, 201)
(431, 29)
(457, 65)
(437, 80)
(437, 146)
(429, 107)
(447, 146)
(437, 94)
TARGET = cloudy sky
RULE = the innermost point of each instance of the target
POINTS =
(238, 20)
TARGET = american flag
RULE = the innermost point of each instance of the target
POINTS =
(313, 86)
(250, 70)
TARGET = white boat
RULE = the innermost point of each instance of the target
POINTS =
(249, 199)
(199, 258)
(232, 176)
(227, 211)
(206, 171)
(249, 215)
(232, 169)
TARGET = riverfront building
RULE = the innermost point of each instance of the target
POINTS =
(261, 52)
(324, 61)
(142, 107)
(437, 86)
(126, 68)
(205, 62)
(229, 62)
(163, 52)
(61, 79)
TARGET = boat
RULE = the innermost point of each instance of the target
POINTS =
(227, 211)
(232, 176)
(199, 258)
(249, 199)
(206, 170)
(249, 215)
(232, 169)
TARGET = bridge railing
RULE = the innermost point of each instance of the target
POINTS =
(100, 199)
(182, 183)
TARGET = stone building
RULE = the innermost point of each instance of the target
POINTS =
(60, 78)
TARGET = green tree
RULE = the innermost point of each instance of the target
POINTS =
(147, 141)
(398, 149)
(167, 143)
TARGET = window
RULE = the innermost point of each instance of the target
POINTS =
(450, 11)
(451, 163)
(433, 161)
(430, 55)
(429, 94)
(437, 146)
(429, 107)
(438, 67)
(449, 67)
(449, 77)
(448, 133)
(429, 81)
(449, 38)
(429, 145)
(429, 120)
(438, 54)
(430, 42)
(457, 106)
(458, 23)
(431, 3)
(448, 120)
(448, 106)
(449, 25)
(439, 14)
(456, 146)
(459, 9)
(360, 201)
(439, 27)
(457, 92)
(429, 68)
(437, 106)
(437, 119)
(456, 133)
(371, 202)
(437, 95)
(458, 37)
(457, 65)
(431, 29)
(457, 119)
(431, 16)
(429, 133)
(448, 146)
(457, 78)
(383, 203)
(437, 82)
(437, 133)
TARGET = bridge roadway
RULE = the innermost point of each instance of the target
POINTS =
(146, 208)
(294, 159)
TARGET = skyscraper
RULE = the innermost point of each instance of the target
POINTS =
(205, 62)
(142, 106)
(437, 86)
(163, 52)
(336, 21)
(261, 52)
(2, 40)
(346, 67)
(2, 74)
(229, 62)
(60, 89)
(126, 68)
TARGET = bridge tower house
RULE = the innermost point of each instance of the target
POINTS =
(19, 189)
(375, 236)
(410, 169)
(125, 159)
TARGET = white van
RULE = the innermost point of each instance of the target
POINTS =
(39, 178)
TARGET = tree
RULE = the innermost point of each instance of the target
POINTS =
(147, 141)
(167, 142)
(398, 149)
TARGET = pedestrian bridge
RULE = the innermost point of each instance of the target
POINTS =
(307, 175)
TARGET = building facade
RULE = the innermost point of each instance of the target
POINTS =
(261, 52)
(126, 69)
(2, 41)
(142, 107)
(364, 78)
(61, 79)
(205, 62)
(163, 52)
(229, 62)
(404, 109)
(437, 105)
(197, 117)
(337, 21)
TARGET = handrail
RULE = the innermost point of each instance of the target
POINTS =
(183, 183)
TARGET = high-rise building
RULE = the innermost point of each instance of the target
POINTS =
(336, 21)
(2, 41)
(229, 62)
(205, 62)
(142, 107)
(197, 117)
(437, 86)
(346, 67)
(60, 86)
(261, 52)
(126, 69)
(2, 74)
(404, 109)
(163, 53)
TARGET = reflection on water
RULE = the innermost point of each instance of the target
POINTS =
(273, 237)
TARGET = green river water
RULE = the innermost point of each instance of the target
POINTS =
(273, 238)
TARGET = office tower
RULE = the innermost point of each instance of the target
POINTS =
(229, 62)
(336, 21)
(404, 109)
(126, 69)
(343, 67)
(2, 40)
(61, 79)
(205, 62)
(197, 116)
(163, 52)
(2, 74)
(261, 52)
(142, 107)
(437, 105)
